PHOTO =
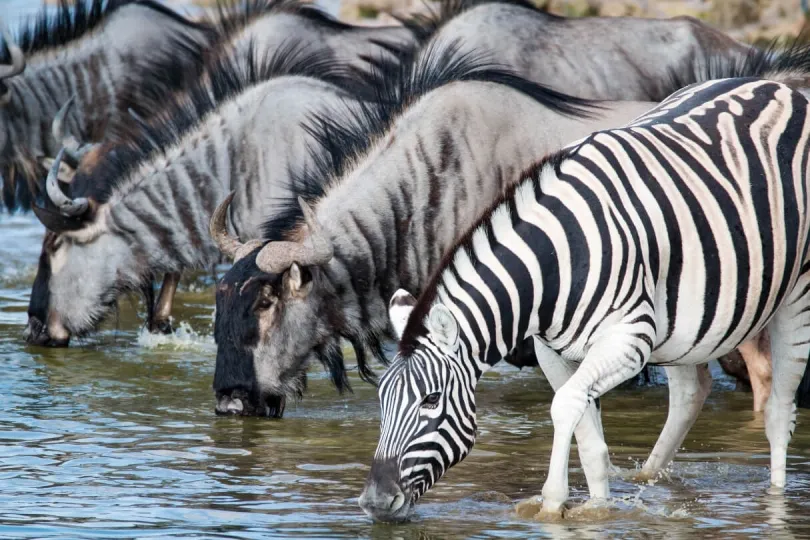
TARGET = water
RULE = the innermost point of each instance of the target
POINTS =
(116, 437)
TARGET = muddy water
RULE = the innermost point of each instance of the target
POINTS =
(116, 437)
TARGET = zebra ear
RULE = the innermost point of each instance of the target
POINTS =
(443, 326)
(399, 309)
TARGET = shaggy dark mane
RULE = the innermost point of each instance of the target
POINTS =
(225, 77)
(234, 15)
(415, 327)
(425, 25)
(781, 60)
(70, 21)
(397, 87)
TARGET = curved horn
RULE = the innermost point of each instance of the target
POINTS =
(277, 257)
(65, 204)
(218, 228)
(58, 127)
(17, 65)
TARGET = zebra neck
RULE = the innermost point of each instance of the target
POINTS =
(504, 281)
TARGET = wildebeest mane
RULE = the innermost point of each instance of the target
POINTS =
(780, 60)
(227, 75)
(233, 16)
(415, 326)
(425, 25)
(70, 21)
(341, 142)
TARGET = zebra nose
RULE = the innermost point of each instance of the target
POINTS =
(383, 504)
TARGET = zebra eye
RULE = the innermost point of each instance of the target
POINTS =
(431, 400)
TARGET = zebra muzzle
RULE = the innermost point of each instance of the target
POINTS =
(383, 499)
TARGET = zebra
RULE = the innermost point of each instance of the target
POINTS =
(450, 131)
(93, 57)
(585, 254)
(139, 207)
(633, 58)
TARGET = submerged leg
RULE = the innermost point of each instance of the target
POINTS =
(617, 356)
(688, 388)
(163, 309)
(790, 346)
(593, 451)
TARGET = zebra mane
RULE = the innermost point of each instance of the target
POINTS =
(415, 327)
(232, 16)
(396, 87)
(107, 168)
(425, 25)
(780, 59)
(72, 20)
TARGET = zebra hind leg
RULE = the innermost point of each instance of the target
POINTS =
(689, 386)
(616, 357)
(790, 346)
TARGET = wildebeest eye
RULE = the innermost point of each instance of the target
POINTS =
(267, 299)
(431, 400)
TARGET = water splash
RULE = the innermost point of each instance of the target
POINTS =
(184, 338)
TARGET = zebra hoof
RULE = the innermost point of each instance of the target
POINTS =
(535, 510)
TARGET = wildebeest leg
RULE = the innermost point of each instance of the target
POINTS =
(161, 321)
(688, 388)
(790, 344)
(593, 451)
(733, 365)
(756, 353)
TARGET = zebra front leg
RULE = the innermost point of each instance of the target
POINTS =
(790, 345)
(612, 359)
(161, 321)
(689, 386)
(593, 451)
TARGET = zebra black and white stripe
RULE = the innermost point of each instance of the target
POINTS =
(670, 241)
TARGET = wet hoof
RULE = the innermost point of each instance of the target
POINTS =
(161, 327)
(533, 509)
(648, 476)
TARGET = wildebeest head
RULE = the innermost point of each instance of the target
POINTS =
(274, 316)
(83, 267)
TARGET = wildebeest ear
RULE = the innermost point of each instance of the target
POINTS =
(399, 309)
(59, 223)
(443, 326)
(299, 280)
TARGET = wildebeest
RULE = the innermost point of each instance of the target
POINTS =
(610, 58)
(98, 55)
(139, 207)
(450, 131)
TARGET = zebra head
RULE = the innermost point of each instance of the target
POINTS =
(272, 317)
(83, 267)
(428, 424)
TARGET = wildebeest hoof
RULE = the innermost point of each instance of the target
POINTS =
(161, 327)
(227, 405)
